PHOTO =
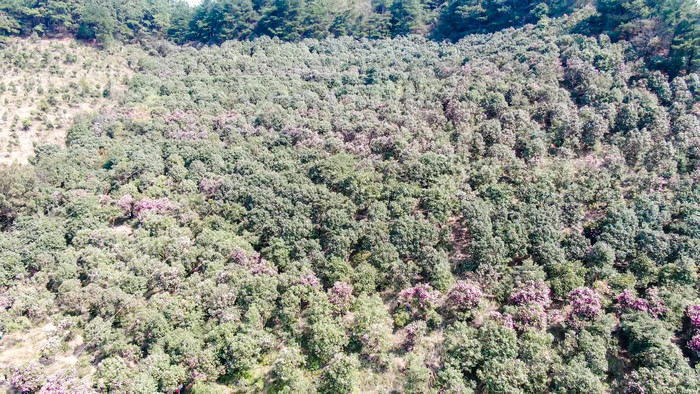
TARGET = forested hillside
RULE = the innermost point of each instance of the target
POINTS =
(666, 33)
(512, 212)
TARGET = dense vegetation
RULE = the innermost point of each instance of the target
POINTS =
(515, 212)
(665, 32)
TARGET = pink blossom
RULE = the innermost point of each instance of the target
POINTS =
(155, 205)
(421, 295)
(504, 319)
(531, 315)
(64, 383)
(585, 305)
(654, 305)
(64, 324)
(5, 302)
(464, 295)
(693, 312)
(340, 295)
(255, 264)
(183, 126)
(627, 300)
(27, 378)
(126, 203)
(105, 199)
(532, 292)
(694, 344)
(414, 331)
(239, 256)
(210, 186)
(308, 279)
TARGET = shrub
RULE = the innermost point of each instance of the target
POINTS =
(340, 295)
(462, 298)
(585, 306)
(28, 378)
(341, 375)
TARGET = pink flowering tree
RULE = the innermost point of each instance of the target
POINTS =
(532, 316)
(308, 280)
(503, 319)
(693, 313)
(414, 332)
(64, 383)
(627, 301)
(209, 187)
(585, 306)
(532, 292)
(419, 299)
(253, 263)
(153, 205)
(530, 302)
(126, 203)
(694, 344)
(463, 298)
(28, 377)
(340, 295)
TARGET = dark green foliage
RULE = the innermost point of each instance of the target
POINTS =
(664, 32)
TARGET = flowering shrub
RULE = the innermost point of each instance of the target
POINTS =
(694, 344)
(504, 319)
(309, 280)
(254, 264)
(628, 301)
(656, 305)
(414, 332)
(126, 203)
(693, 312)
(27, 378)
(183, 126)
(340, 295)
(531, 315)
(64, 324)
(105, 199)
(532, 292)
(64, 383)
(585, 306)
(210, 186)
(421, 297)
(5, 302)
(463, 297)
(156, 205)
(48, 349)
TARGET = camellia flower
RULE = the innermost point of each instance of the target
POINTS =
(531, 315)
(505, 320)
(28, 378)
(126, 203)
(414, 331)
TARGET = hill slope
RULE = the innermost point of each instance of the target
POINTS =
(516, 212)
(45, 84)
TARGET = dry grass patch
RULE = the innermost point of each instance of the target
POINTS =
(46, 83)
